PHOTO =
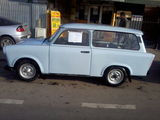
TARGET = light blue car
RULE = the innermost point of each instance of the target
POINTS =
(113, 53)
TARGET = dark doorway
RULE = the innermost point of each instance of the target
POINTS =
(106, 17)
(94, 14)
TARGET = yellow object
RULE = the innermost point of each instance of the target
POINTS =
(113, 19)
(127, 13)
(116, 16)
(53, 22)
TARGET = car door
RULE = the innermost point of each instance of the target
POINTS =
(71, 53)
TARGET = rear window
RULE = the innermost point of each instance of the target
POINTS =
(117, 40)
(6, 22)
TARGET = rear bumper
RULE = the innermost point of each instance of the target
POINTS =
(21, 37)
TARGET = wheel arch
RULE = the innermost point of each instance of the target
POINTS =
(31, 59)
(126, 69)
(5, 35)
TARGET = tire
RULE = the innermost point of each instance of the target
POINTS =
(115, 76)
(27, 70)
(4, 41)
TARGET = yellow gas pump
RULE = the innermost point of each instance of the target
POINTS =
(53, 22)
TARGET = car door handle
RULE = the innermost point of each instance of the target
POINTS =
(85, 51)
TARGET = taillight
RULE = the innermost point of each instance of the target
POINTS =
(20, 29)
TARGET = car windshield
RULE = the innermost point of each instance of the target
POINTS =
(6, 22)
(51, 38)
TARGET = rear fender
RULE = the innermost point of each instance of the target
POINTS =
(117, 65)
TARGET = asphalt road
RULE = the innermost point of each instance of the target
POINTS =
(69, 98)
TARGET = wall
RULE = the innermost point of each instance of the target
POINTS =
(32, 14)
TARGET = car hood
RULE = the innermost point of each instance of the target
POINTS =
(31, 41)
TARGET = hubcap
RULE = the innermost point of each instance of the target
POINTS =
(6, 42)
(27, 71)
(115, 76)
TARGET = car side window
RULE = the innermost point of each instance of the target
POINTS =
(73, 37)
(117, 40)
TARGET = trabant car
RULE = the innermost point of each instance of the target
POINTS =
(113, 53)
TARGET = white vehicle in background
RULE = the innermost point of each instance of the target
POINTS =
(12, 32)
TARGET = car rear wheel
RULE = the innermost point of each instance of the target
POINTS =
(115, 76)
(27, 70)
(4, 41)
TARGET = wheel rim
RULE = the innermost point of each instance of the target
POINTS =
(27, 71)
(115, 76)
(6, 42)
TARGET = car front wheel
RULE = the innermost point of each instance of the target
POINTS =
(27, 70)
(115, 76)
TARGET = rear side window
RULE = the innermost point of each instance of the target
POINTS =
(6, 22)
(117, 40)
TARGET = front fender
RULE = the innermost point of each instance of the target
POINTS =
(29, 57)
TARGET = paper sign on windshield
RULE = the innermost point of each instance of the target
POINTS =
(75, 37)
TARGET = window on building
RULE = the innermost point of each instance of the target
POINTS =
(73, 37)
(115, 40)
(83, 13)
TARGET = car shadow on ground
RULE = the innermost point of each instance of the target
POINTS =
(4, 74)
(153, 76)
(84, 79)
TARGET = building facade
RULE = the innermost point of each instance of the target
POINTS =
(142, 14)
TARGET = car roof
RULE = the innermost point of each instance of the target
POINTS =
(100, 27)
(5, 21)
